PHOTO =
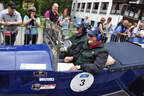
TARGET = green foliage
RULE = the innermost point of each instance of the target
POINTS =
(41, 5)
(47, 4)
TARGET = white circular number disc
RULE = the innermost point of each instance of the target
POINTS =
(82, 82)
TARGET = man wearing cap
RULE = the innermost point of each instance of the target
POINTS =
(92, 55)
(31, 21)
(76, 40)
(80, 36)
(11, 19)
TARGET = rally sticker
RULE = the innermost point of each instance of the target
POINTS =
(44, 86)
(29, 66)
(46, 79)
(81, 82)
(48, 86)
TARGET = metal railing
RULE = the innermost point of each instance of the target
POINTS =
(49, 34)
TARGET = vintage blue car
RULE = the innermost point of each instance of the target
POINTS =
(29, 69)
(32, 69)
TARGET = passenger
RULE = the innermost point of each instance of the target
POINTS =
(64, 22)
(92, 54)
(53, 14)
(120, 33)
(80, 36)
(11, 19)
(76, 40)
(31, 21)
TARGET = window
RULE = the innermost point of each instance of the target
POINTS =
(116, 9)
(142, 18)
(104, 7)
(132, 12)
(92, 23)
(82, 7)
(88, 7)
(142, 1)
(95, 7)
(73, 7)
(137, 14)
(78, 6)
(126, 13)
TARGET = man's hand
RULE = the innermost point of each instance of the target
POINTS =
(68, 59)
(67, 18)
(33, 17)
(74, 68)
(125, 34)
(56, 11)
(141, 35)
(8, 23)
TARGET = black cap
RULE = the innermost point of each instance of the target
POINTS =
(12, 5)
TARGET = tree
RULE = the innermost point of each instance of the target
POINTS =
(41, 5)
(47, 4)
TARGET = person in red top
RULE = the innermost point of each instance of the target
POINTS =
(132, 28)
(53, 14)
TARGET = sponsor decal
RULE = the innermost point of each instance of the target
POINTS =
(30, 66)
(84, 76)
(81, 82)
(46, 79)
(48, 86)
(38, 87)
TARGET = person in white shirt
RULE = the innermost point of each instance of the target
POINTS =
(137, 30)
(140, 34)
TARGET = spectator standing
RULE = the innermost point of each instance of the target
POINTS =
(11, 19)
(108, 28)
(132, 28)
(108, 25)
(87, 22)
(120, 32)
(64, 22)
(100, 25)
(53, 14)
(138, 31)
(31, 21)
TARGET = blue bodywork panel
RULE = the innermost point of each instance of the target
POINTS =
(14, 80)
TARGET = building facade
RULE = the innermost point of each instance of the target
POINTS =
(117, 9)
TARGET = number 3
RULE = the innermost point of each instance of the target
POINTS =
(83, 82)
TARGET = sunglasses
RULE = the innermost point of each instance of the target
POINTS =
(103, 20)
(91, 35)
